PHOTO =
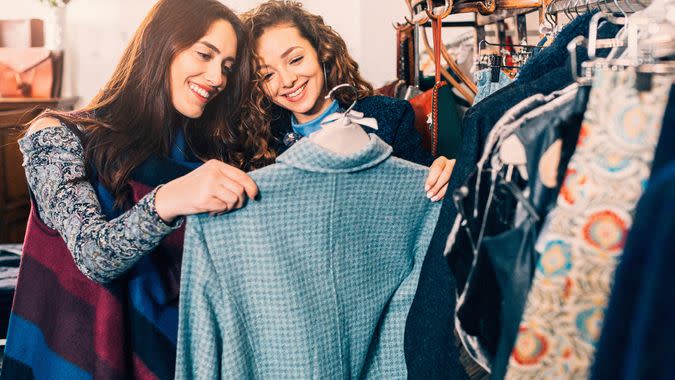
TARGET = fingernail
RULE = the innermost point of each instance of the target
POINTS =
(435, 199)
(429, 195)
(427, 187)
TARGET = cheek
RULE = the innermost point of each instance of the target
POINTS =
(270, 88)
(178, 72)
(316, 71)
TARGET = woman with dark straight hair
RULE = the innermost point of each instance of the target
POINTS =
(98, 286)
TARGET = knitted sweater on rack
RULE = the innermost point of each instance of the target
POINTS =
(314, 280)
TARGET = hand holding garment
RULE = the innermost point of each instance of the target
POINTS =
(313, 281)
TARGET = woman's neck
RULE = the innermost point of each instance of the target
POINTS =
(320, 106)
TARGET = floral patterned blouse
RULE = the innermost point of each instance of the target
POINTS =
(67, 202)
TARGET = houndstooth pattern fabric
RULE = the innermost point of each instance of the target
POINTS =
(583, 236)
(314, 280)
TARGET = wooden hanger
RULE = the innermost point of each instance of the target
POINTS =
(446, 56)
(466, 93)
(457, 70)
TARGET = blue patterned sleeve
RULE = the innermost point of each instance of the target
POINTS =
(103, 250)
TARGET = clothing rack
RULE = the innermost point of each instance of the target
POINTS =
(582, 6)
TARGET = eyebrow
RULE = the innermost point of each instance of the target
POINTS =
(289, 50)
(284, 54)
(212, 47)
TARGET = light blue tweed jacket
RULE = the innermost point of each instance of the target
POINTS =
(314, 280)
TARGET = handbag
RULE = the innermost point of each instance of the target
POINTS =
(26, 73)
(436, 107)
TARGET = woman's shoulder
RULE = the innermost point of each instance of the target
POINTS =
(44, 123)
(382, 103)
(49, 134)
(383, 108)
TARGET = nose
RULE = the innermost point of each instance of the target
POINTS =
(287, 77)
(214, 74)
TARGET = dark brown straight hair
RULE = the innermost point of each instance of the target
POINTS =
(132, 117)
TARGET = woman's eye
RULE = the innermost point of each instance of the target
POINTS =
(227, 70)
(204, 56)
(268, 76)
(296, 60)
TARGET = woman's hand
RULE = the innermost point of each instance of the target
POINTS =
(215, 187)
(439, 175)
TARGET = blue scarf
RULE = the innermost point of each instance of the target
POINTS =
(306, 129)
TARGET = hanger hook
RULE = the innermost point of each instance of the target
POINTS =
(576, 7)
(339, 86)
(630, 6)
(550, 16)
(616, 2)
(444, 13)
(572, 48)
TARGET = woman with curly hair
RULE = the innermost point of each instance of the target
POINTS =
(300, 59)
(166, 137)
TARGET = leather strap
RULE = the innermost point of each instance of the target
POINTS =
(436, 28)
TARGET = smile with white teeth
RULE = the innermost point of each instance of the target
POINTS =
(199, 90)
(296, 92)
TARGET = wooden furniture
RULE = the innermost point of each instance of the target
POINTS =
(14, 198)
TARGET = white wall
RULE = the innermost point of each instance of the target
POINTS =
(98, 30)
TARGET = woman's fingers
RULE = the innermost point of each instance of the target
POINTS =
(237, 190)
(241, 178)
(434, 172)
(439, 187)
(222, 200)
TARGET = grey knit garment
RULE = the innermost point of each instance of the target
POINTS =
(314, 280)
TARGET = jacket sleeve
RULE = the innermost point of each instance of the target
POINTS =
(407, 141)
(199, 342)
(213, 342)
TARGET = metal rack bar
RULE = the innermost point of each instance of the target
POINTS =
(583, 6)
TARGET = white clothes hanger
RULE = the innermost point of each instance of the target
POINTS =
(341, 132)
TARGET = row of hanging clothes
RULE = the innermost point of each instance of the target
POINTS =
(456, 75)
(564, 194)
(563, 191)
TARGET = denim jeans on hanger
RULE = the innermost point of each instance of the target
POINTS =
(486, 86)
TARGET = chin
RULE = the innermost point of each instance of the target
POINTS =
(299, 108)
(191, 113)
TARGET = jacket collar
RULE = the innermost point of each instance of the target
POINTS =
(307, 155)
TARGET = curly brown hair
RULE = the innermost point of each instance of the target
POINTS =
(330, 47)
(133, 116)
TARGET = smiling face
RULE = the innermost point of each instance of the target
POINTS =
(293, 76)
(200, 72)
